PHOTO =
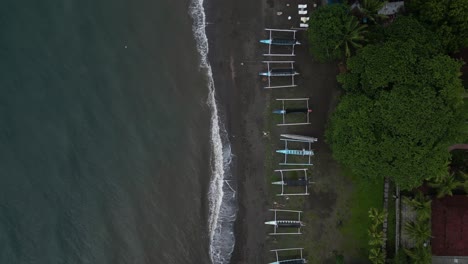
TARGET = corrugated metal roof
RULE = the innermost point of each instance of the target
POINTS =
(391, 8)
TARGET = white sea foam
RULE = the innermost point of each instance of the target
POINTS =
(222, 200)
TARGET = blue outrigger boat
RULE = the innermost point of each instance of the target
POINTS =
(280, 42)
(296, 152)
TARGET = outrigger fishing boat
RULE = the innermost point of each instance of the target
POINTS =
(280, 42)
(275, 41)
(286, 181)
(298, 182)
(282, 258)
(279, 72)
(290, 261)
(286, 223)
(300, 137)
(296, 152)
(291, 110)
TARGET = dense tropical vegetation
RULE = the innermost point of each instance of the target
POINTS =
(402, 108)
(377, 236)
(400, 114)
(334, 33)
(448, 19)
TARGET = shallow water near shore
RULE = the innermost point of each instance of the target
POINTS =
(105, 134)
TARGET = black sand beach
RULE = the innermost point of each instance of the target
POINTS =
(234, 29)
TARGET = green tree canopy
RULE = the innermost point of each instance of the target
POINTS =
(333, 32)
(400, 113)
(448, 18)
(406, 28)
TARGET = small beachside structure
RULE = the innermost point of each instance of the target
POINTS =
(391, 8)
(450, 230)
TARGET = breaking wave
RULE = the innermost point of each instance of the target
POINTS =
(222, 194)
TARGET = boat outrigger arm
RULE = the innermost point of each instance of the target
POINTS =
(297, 258)
(273, 41)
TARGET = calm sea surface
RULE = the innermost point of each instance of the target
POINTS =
(104, 133)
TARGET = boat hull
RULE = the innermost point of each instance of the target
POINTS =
(300, 137)
(296, 152)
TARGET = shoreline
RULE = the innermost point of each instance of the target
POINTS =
(233, 29)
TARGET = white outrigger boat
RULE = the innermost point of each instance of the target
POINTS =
(286, 223)
(302, 182)
(296, 152)
(279, 72)
(300, 137)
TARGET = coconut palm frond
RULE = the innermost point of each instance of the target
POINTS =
(419, 231)
(377, 256)
(419, 254)
(446, 185)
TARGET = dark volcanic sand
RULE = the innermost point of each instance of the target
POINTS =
(235, 28)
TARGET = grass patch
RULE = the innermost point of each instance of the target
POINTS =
(366, 194)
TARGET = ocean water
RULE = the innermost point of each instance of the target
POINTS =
(111, 147)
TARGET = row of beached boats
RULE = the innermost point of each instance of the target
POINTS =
(297, 149)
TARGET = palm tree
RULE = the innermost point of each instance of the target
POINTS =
(376, 216)
(370, 9)
(446, 185)
(377, 238)
(419, 255)
(352, 35)
(419, 231)
(377, 256)
(421, 204)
